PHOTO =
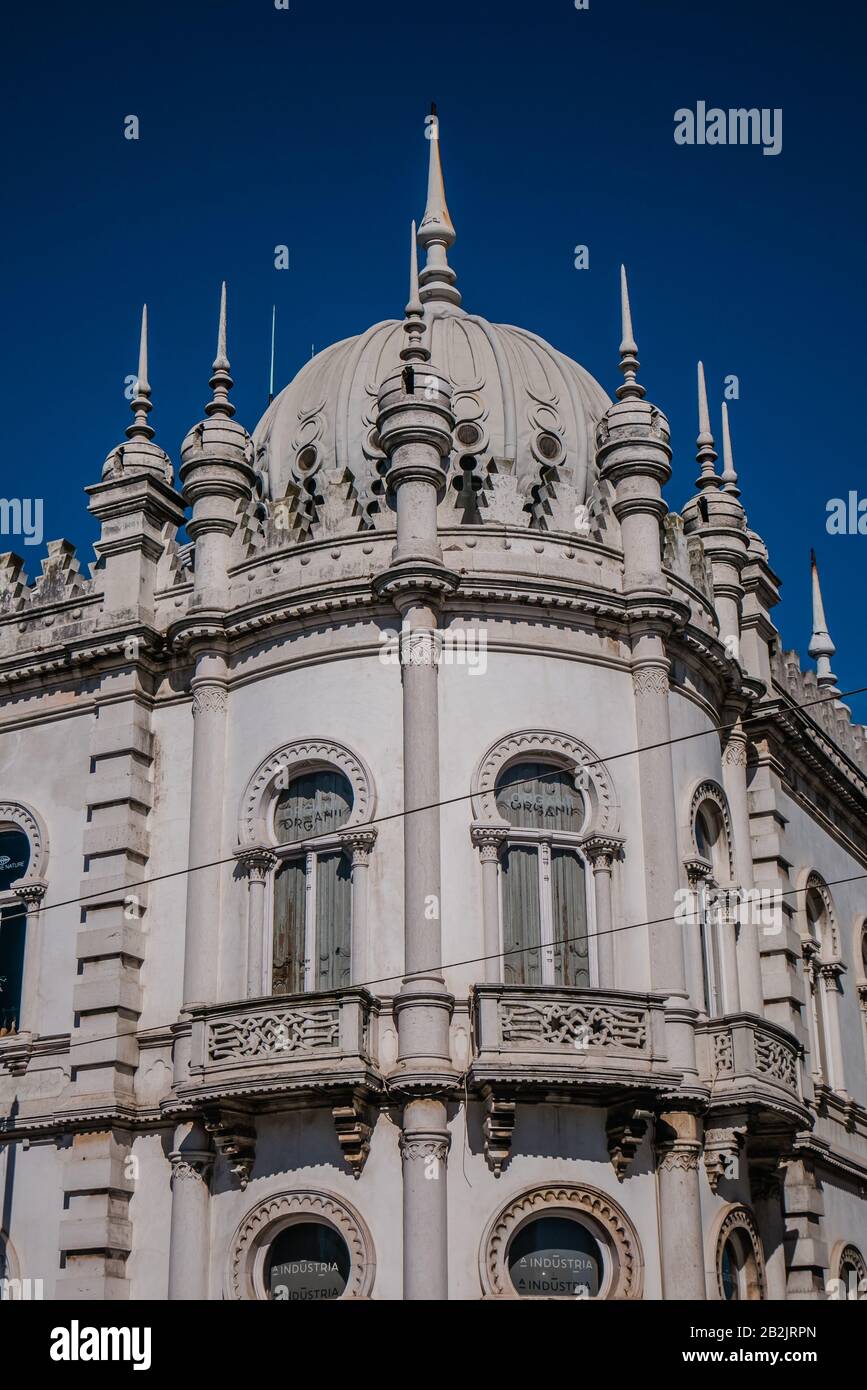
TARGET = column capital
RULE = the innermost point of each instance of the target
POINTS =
(602, 850)
(191, 1165)
(256, 861)
(698, 870)
(418, 1145)
(488, 839)
(31, 894)
(359, 843)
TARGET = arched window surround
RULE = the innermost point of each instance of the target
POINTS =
(824, 968)
(623, 1273)
(27, 892)
(260, 855)
(860, 958)
(711, 944)
(737, 1223)
(598, 843)
(249, 1246)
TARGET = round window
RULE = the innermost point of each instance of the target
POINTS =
(548, 446)
(307, 1260)
(555, 1257)
(468, 434)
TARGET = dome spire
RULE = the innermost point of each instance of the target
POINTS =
(414, 349)
(821, 647)
(707, 455)
(140, 404)
(629, 363)
(221, 382)
(729, 476)
(436, 233)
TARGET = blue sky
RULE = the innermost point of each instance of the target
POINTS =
(261, 126)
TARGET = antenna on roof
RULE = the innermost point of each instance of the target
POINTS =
(271, 378)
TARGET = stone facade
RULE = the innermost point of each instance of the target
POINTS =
(442, 556)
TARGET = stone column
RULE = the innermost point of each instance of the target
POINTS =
(489, 840)
(415, 423)
(749, 961)
(189, 1246)
(424, 1146)
(258, 864)
(602, 850)
(679, 1150)
(204, 885)
(30, 896)
(830, 973)
(358, 844)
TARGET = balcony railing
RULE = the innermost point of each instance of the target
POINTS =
(583, 1037)
(282, 1044)
(740, 1054)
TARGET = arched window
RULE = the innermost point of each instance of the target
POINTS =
(312, 885)
(713, 961)
(712, 846)
(817, 926)
(823, 969)
(545, 938)
(861, 986)
(14, 863)
(740, 1264)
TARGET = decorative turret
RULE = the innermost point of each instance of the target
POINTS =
(436, 233)
(415, 424)
(137, 506)
(821, 648)
(218, 479)
(139, 455)
(634, 453)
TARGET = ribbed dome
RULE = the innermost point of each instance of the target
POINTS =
(515, 398)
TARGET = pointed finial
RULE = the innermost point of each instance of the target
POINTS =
(629, 363)
(414, 349)
(273, 330)
(436, 233)
(221, 382)
(141, 401)
(729, 476)
(821, 647)
(707, 455)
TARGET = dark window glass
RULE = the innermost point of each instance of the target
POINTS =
(538, 796)
(316, 803)
(730, 1273)
(14, 857)
(554, 1257)
(307, 1261)
(13, 926)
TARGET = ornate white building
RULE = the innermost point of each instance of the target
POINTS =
(431, 879)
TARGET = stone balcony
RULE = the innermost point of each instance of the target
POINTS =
(596, 1041)
(752, 1062)
(275, 1047)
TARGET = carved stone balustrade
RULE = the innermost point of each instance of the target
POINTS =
(601, 1041)
(754, 1063)
(280, 1046)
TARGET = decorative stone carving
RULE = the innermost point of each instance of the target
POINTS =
(247, 1251)
(602, 850)
(257, 863)
(19, 814)
(739, 1218)
(722, 1149)
(209, 699)
(625, 1128)
(650, 680)
(603, 805)
(359, 843)
(302, 755)
(191, 1165)
(712, 791)
(423, 1147)
(723, 1054)
(735, 753)
(682, 1153)
(235, 1141)
(488, 840)
(776, 1060)
(605, 1217)
(498, 1127)
(354, 1124)
(274, 1033)
(584, 1025)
